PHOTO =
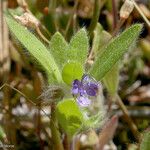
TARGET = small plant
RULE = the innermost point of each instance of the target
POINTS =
(64, 65)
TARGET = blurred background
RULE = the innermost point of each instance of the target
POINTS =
(21, 82)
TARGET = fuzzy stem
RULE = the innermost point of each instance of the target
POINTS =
(55, 133)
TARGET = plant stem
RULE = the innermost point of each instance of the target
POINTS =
(7, 118)
(55, 133)
(118, 26)
(52, 6)
(4, 42)
(75, 143)
(95, 17)
(114, 10)
(71, 18)
(37, 84)
(29, 100)
(97, 7)
(130, 122)
(66, 143)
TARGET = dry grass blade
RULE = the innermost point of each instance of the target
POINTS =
(108, 132)
(4, 40)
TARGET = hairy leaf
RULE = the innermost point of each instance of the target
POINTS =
(97, 38)
(114, 51)
(101, 38)
(35, 48)
(111, 79)
(69, 116)
(58, 47)
(95, 121)
(78, 47)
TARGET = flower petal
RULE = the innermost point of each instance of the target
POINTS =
(91, 89)
(90, 85)
(76, 86)
(83, 101)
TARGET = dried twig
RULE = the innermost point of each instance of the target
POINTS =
(141, 13)
(4, 49)
(128, 119)
(29, 100)
(114, 9)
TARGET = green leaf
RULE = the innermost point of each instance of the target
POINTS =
(72, 71)
(114, 51)
(145, 145)
(18, 11)
(69, 116)
(35, 48)
(101, 38)
(95, 121)
(111, 79)
(78, 47)
(58, 47)
(97, 38)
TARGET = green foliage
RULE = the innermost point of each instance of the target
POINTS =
(101, 38)
(69, 116)
(93, 122)
(78, 47)
(111, 79)
(114, 51)
(145, 145)
(35, 47)
(18, 11)
(70, 57)
(76, 50)
(64, 62)
(97, 38)
(71, 71)
(58, 48)
(72, 119)
(60, 54)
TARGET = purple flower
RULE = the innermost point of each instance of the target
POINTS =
(83, 89)
(83, 101)
(76, 87)
(91, 89)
